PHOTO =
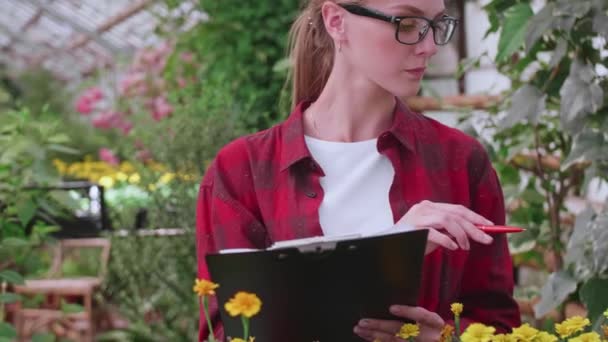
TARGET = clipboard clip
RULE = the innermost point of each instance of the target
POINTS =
(318, 248)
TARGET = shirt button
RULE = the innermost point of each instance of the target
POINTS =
(311, 194)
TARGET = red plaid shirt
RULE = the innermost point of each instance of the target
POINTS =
(265, 187)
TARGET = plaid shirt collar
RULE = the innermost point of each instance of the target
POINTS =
(403, 128)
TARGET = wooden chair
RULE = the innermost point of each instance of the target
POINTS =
(56, 287)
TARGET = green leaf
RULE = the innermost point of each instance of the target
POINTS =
(540, 24)
(282, 65)
(528, 103)
(26, 210)
(60, 138)
(70, 308)
(14, 242)
(9, 298)
(43, 337)
(513, 30)
(593, 293)
(580, 96)
(12, 277)
(7, 331)
(63, 149)
(554, 292)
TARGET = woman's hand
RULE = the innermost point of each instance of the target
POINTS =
(446, 223)
(430, 324)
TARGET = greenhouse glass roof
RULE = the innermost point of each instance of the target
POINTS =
(74, 38)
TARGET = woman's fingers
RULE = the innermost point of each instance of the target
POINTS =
(373, 329)
(418, 314)
(443, 240)
(373, 335)
(462, 211)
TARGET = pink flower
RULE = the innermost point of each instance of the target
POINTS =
(125, 126)
(181, 82)
(161, 108)
(108, 156)
(88, 99)
(94, 93)
(84, 105)
(143, 155)
(187, 57)
(107, 120)
(133, 83)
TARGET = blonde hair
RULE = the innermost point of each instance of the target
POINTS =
(311, 51)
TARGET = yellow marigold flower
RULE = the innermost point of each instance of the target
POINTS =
(544, 336)
(251, 339)
(446, 333)
(588, 337)
(204, 287)
(245, 304)
(571, 325)
(477, 332)
(456, 309)
(503, 338)
(605, 330)
(408, 330)
(606, 313)
(525, 333)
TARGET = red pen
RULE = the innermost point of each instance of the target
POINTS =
(500, 229)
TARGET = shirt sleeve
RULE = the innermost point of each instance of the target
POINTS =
(222, 221)
(487, 288)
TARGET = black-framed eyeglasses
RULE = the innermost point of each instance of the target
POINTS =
(411, 29)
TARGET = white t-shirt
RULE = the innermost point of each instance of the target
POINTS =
(356, 187)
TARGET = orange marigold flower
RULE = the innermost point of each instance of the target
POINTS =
(408, 330)
(457, 309)
(571, 325)
(203, 287)
(245, 304)
(588, 337)
(446, 333)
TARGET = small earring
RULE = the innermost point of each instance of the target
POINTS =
(339, 46)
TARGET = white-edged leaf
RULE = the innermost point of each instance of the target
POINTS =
(527, 103)
(600, 24)
(580, 96)
(558, 54)
(587, 145)
(554, 292)
(575, 251)
(540, 24)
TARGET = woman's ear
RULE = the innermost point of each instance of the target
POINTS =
(333, 19)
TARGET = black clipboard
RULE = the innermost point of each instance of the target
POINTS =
(320, 292)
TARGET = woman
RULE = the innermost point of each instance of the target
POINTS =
(351, 155)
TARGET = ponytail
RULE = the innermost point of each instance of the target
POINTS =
(311, 51)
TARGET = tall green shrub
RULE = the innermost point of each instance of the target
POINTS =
(239, 46)
(552, 138)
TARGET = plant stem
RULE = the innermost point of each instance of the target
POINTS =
(206, 310)
(457, 326)
(2, 291)
(245, 321)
